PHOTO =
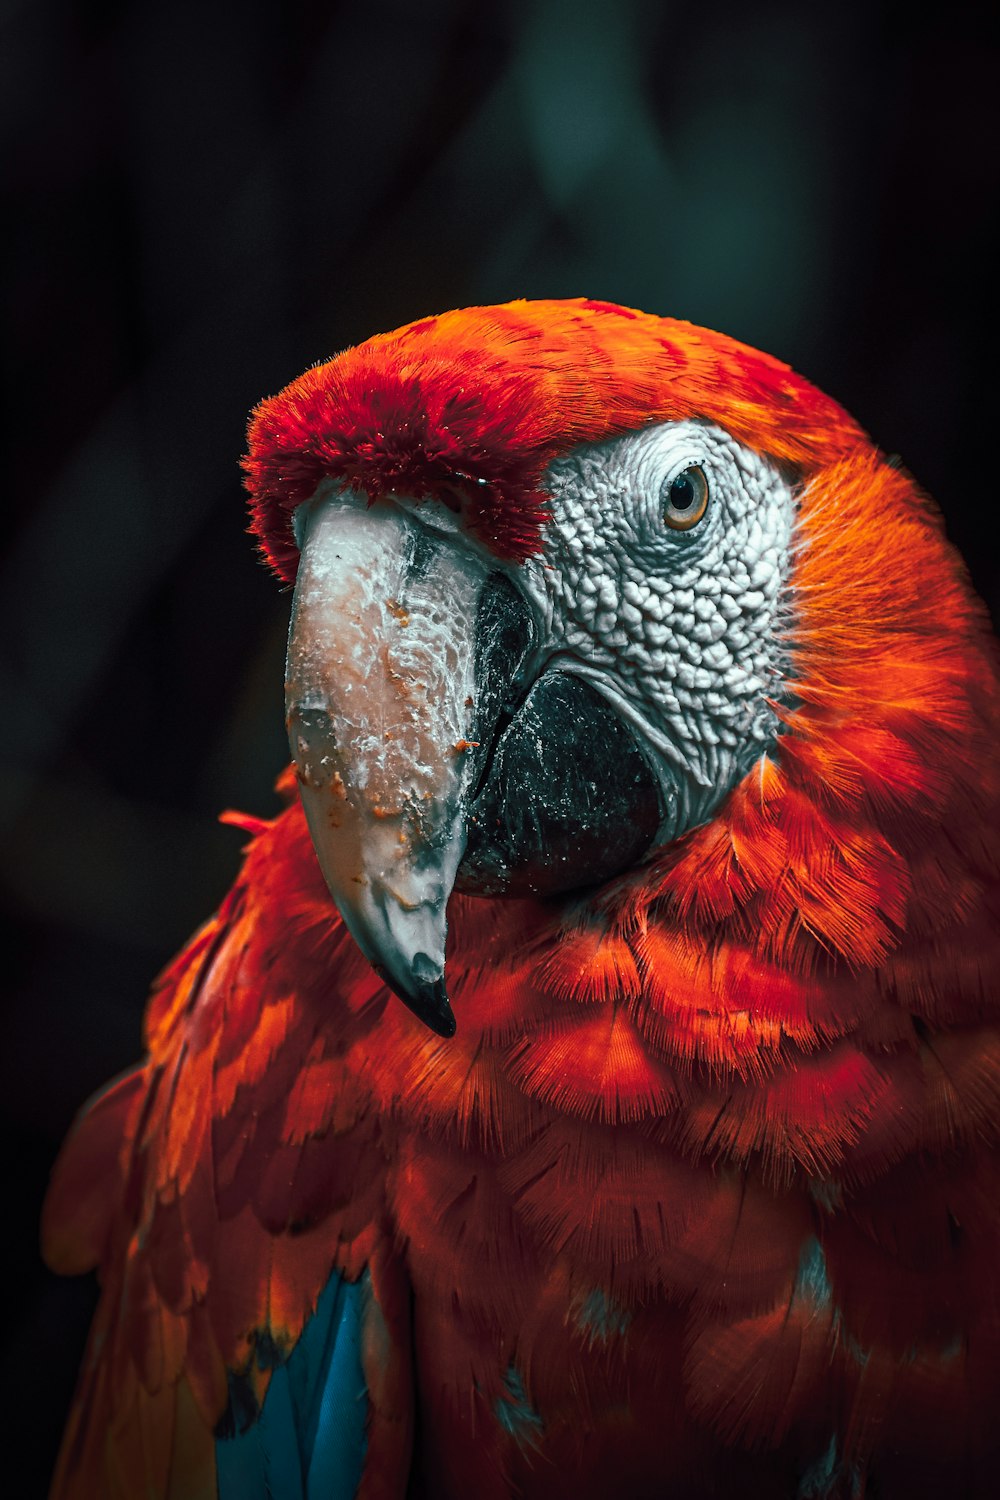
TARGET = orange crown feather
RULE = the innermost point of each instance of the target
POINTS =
(481, 400)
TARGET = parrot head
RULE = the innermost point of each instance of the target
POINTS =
(547, 607)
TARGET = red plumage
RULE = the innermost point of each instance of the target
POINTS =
(713, 1157)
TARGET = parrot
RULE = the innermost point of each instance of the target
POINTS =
(591, 1082)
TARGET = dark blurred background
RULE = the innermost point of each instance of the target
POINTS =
(202, 199)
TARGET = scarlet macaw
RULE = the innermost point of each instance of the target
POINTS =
(620, 645)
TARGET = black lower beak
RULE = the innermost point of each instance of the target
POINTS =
(568, 799)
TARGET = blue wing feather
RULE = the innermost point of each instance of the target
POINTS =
(309, 1439)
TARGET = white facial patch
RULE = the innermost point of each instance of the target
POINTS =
(685, 632)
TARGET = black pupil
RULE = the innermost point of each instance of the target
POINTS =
(682, 494)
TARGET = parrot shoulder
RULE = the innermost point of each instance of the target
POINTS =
(230, 1192)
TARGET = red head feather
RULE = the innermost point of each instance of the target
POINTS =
(882, 799)
(484, 398)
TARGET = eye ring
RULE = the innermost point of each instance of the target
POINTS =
(685, 498)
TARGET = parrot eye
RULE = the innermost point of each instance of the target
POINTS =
(686, 499)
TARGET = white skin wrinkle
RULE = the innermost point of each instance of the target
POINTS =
(685, 632)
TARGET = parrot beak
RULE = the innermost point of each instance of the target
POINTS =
(380, 694)
(435, 745)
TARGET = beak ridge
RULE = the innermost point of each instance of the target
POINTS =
(380, 702)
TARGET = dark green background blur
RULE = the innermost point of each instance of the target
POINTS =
(204, 198)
